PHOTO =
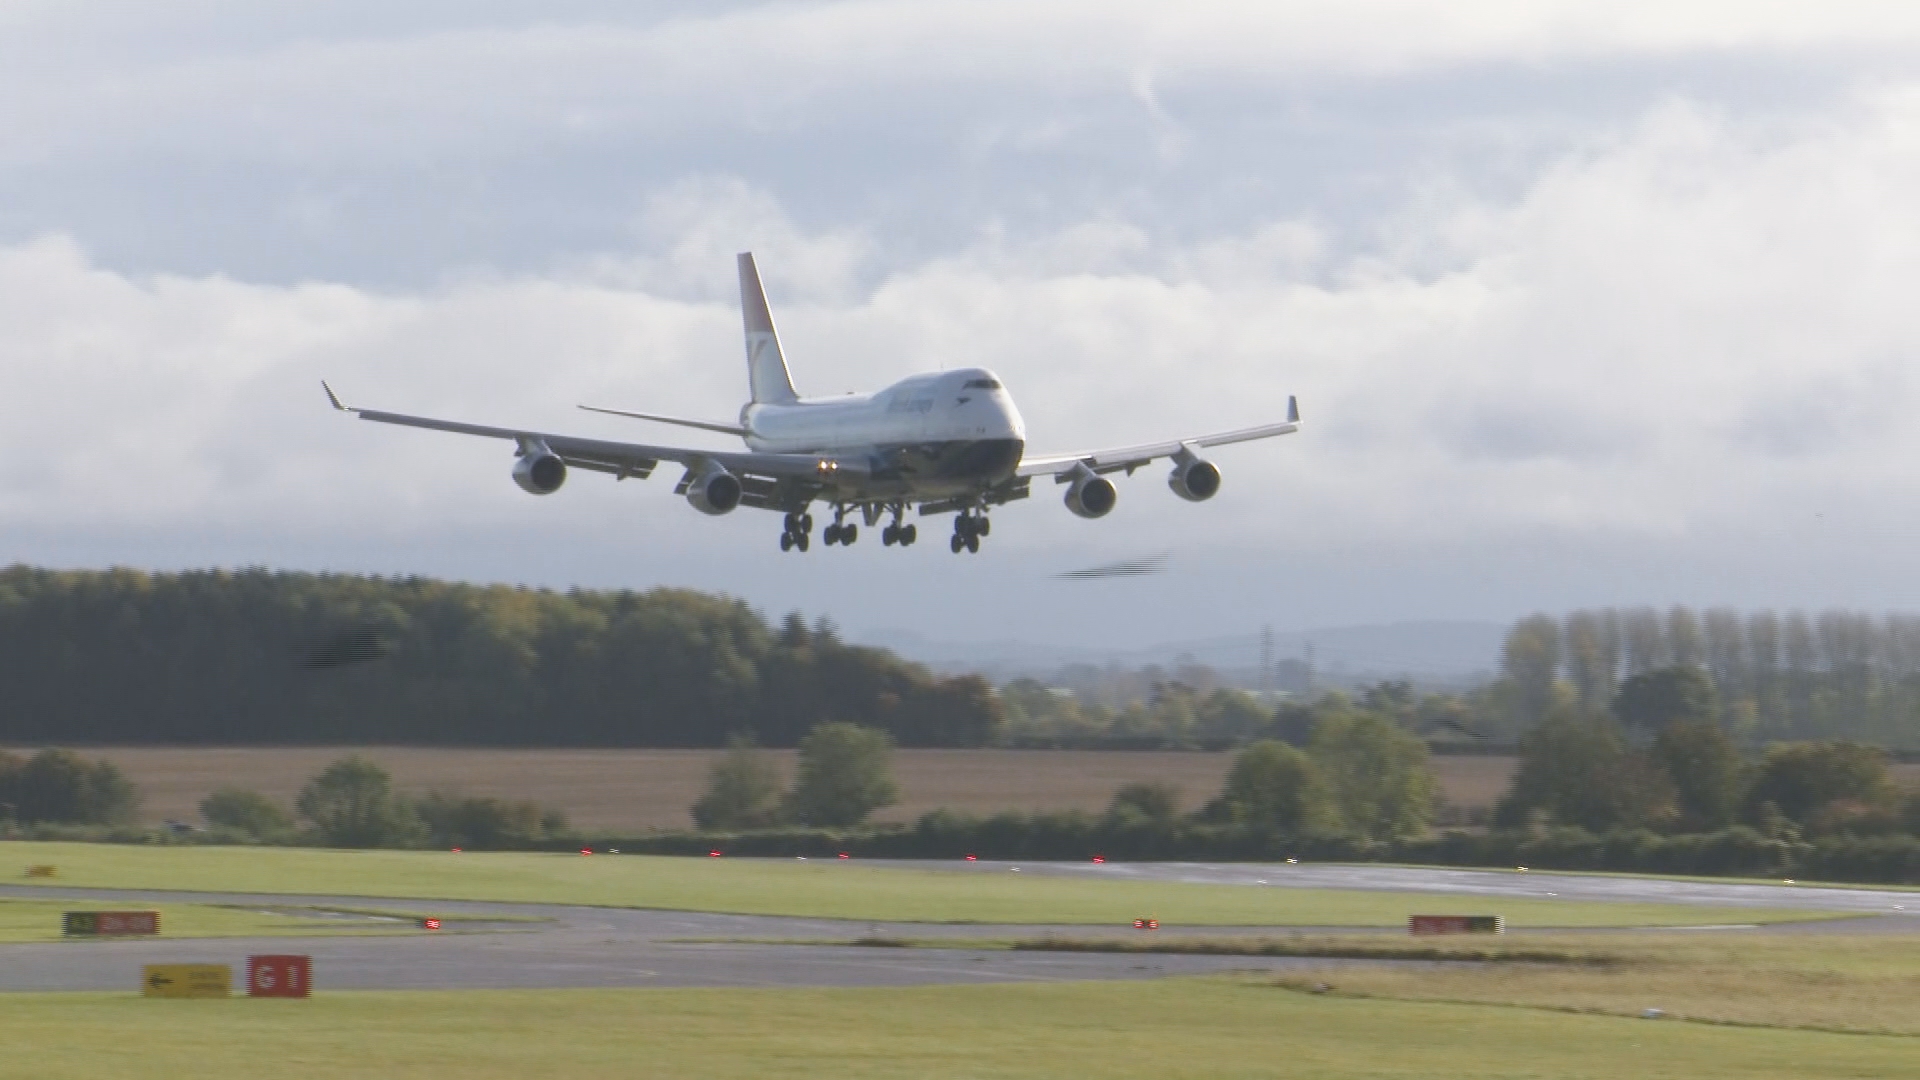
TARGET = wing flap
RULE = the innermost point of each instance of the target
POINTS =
(1129, 458)
(638, 459)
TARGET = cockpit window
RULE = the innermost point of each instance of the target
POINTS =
(983, 384)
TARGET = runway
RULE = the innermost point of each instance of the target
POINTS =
(1530, 884)
(579, 947)
(610, 947)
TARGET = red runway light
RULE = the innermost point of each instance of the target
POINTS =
(429, 924)
(844, 855)
(586, 851)
(972, 858)
(1099, 858)
(456, 851)
(713, 854)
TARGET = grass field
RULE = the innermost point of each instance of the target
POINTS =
(1216, 1028)
(828, 889)
(1865, 983)
(615, 791)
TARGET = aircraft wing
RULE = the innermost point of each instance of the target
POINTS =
(1129, 458)
(796, 472)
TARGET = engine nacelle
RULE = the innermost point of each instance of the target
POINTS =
(1194, 480)
(715, 492)
(1091, 496)
(540, 473)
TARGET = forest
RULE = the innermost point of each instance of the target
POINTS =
(256, 657)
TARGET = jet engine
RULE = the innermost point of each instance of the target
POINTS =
(714, 492)
(540, 473)
(1194, 479)
(1091, 496)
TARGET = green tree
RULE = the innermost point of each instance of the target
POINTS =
(1272, 785)
(743, 790)
(351, 804)
(1582, 772)
(60, 786)
(1376, 774)
(845, 774)
(1709, 779)
(1529, 659)
(1801, 779)
(487, 824)
(247, 812)
(1652, 700)
(1145, 801)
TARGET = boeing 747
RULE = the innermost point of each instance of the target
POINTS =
(943, 442)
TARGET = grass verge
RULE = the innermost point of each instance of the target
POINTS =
(823, 889)
(1218, 1028)
(1840, 983)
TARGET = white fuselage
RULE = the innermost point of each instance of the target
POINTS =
(935, 434)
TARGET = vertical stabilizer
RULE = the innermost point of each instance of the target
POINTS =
(766, 367)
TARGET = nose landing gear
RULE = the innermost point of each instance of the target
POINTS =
(841, 532)
(797, 534)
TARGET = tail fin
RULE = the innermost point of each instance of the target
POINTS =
(766, 368)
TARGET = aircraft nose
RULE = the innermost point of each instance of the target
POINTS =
(1006, 421)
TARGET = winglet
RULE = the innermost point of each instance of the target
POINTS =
(1293, 409)
(331, 396)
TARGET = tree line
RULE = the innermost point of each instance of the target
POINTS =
(263, 658)
(1777, 676)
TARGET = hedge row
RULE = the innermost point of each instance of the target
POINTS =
(1738, 851)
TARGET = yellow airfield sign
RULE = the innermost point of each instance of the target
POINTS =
(186, 980)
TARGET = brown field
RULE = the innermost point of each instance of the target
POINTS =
(611, 791)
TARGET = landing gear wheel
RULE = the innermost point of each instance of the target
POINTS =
(958, 543)
(848, 534)
(831, 535)
(983, 526)
(889, 535)
(973, 545)
(908, 534)
(802, 542)
(786, 541)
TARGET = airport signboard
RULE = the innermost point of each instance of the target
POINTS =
(109, 923)
(186, 980)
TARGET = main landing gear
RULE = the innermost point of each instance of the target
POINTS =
(799, 528)
(841, 531)
(968, 529)
(896, 533)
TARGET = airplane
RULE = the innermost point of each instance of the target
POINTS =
(942, 442)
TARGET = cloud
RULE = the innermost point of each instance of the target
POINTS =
(1676, 334)
(224, 79)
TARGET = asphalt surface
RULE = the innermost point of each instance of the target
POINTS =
(608, 947)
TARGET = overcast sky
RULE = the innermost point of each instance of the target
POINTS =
(1584, 303)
